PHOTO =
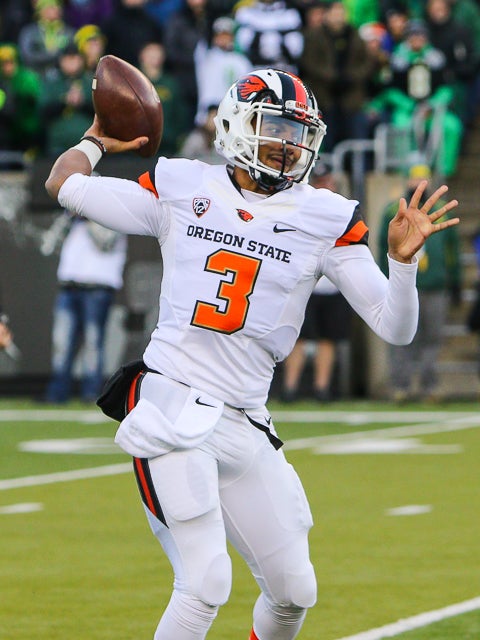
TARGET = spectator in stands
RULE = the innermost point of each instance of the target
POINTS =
(313, 14)
(472, 319)
(128, 29)
(41, 41)
(375, 36)
(335, 63)
(82, 12)
(396, 20)
(217, 66)
(152, 62)
(362, 11)
(91, 43)
(14, 14)
(327, 324)
(467, 13)
(269, 33)
(20, 88)
(419, 99)
(438, 284)
(183, 31)
(161, 10)
(200, 142)
(456, 42)
(66, 103)
(5, 333)
(90, 271)
(412, 9)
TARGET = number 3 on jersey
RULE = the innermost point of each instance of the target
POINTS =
(235, 293)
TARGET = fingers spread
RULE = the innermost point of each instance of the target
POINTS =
(417, 194)
(436, 195)
(435, 215)
(444, 225)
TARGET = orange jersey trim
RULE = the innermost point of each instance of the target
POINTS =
(145, 181)
(354, 235)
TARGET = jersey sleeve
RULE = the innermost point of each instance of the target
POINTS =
(116, 203)
(389, 306)
(356, 231)
(172, 178)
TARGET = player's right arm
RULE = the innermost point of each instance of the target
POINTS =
(76, 161)
(122, 205)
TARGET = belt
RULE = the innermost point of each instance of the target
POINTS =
(85, 286)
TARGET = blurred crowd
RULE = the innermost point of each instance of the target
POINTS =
(410, 63)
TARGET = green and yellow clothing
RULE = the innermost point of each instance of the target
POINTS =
(19, 104)
(418, 81)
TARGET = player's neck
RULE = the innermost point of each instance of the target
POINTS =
(243, 180)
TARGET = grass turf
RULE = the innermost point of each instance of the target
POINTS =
(87, 566)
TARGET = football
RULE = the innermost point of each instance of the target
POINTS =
(127, 104)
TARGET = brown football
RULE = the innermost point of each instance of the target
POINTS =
(127, 104)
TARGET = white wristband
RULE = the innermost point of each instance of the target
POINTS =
(91, 150)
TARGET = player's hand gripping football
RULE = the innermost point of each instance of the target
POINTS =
(112, 144)
(73, 161)
(413, 223)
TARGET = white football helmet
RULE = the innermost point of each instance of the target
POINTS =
(270, 106)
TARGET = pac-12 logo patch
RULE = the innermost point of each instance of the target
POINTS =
(200, 206)
(244, 215)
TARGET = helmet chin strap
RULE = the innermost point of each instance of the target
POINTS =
(269, 182)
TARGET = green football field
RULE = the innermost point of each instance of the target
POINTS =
(395, 494)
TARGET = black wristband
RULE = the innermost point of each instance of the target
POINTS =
(96, 141)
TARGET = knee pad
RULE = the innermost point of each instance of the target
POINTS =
(215, 583)
(302, 588)
(185, 617)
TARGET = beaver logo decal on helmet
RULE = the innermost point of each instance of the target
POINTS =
(249, 87)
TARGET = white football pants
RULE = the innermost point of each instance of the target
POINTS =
(235, 486)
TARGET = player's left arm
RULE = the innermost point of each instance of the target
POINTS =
(389, 306)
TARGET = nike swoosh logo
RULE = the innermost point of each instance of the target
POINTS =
(282, 229)
(203, 404)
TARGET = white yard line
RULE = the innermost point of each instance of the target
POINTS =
(65, 476)
(355, 417)
(415, 622)
(54, 415)
(359, 417)
(443, 425)
(431, 423)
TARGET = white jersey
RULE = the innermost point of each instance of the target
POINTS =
(238, 273)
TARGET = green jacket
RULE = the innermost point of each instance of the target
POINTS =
(65, 124)
(467, 13)
(22, 93)
(396, 97)
(438, 261)
(174, 113)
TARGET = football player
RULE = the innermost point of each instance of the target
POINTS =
(243, 244)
